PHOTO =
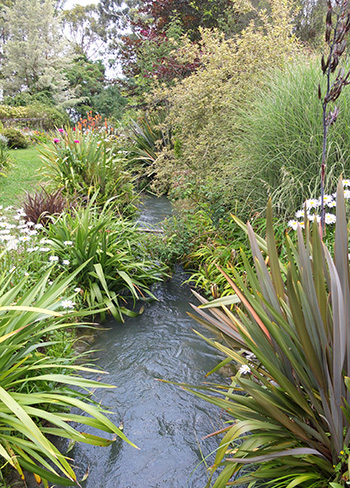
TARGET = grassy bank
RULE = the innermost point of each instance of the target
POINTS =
(22, 176)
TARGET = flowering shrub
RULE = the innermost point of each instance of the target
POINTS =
(86, 162)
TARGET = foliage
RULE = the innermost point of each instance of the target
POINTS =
(85, 163)
(279, 147)
(86, 78)
(39, 207)
(50, 117)
(84, 30)
(35, 54)
(15, 138)
(148, 139)
(109, 102)
(204, 106)
(4, 154)
(118, 268)
(36, 390)
(290, 334)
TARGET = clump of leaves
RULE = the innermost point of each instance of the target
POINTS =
(41, 205)
(37, 389)
(118, 267)
(290, 333)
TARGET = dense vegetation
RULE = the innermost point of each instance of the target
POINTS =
(220, 108)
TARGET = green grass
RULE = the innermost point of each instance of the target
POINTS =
(22, 176)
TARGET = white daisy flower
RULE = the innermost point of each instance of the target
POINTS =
(77, 290)
(44, 249)
(346, 182)
(67, 304)
(68, 243)
(331, 204)
(330, 218)
(312, 203)
(299, 214)
(244, 369)
(346, 194)
(65, 262)
(53, 259)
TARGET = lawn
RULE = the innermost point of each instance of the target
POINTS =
(23, 176)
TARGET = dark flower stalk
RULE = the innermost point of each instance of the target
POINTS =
(337, 27)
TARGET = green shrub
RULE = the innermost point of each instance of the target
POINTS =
(4, 154)
(118, 267)
(15, 138)
(289, 333)
(50, 117)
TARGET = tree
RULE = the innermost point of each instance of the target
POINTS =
(35, 55)
(86, 79)
(85, 32)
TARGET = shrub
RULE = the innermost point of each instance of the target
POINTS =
(16, 140)
(51, 116)
(289, 332)
(118, 268)
(4, 154)
(85, 163)
(203, 108)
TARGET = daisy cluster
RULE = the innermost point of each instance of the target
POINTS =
(19, 239)
(311, 209)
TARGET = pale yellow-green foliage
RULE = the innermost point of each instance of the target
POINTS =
(204, 107)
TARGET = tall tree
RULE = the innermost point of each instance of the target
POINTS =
(84, 31)
(35, 54)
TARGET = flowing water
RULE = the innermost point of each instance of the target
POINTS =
(164, 421)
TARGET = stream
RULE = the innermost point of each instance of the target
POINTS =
(165, 422)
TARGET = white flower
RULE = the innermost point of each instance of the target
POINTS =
(314, 217)
(330, 218)
(50, 283)
(44, 249)
(32, 249)
(294, 224)
(12, 269)
(12, 244)
(38, 226)
(244, 369)
(67, 304)
(312, 203)
(331, 204)
(77, 290)
(65, 262)
(53, 259)
(45, 241)
(346, 193)
(299, 214)
(30, 224)
(24, 238)
(5, 231)
(68, 243)
(346, 182)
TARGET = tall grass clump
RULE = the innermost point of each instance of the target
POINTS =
(280, 144)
